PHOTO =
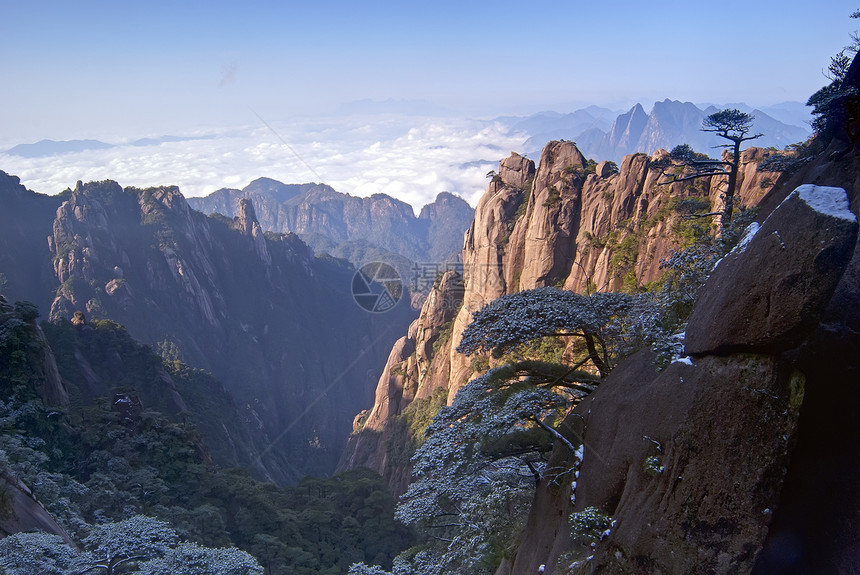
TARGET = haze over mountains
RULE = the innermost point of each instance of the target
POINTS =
(45, 148)
(604, 135)
(294, 358)
(407, 150)
(345, 225)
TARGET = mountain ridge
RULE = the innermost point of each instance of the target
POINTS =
(252, 307)
(317, 211)
(669, 123)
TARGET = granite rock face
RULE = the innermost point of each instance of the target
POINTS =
(719, 433)
(516, 170)
(18, 323)
(27, 513)
(417, 368)
(741, 458)
(26, 271)
(557, 224)
(786, 270)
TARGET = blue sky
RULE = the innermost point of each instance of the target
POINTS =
(114, 69)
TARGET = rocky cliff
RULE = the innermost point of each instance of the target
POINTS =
(565, 222)
(326, 218)
(28, 370)
(412, 387)
(25, 222)
(26, 358)
(256, 309)
(738, 459)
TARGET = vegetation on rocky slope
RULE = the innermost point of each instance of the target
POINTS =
(122, 448)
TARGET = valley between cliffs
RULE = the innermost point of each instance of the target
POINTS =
(275, 324)
(729, 457)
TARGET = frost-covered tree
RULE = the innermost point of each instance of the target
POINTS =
(139, 544)
(475, 473)
(362, 569)
(734, 126)
(686, 271)
(192, 559)
(113, 547)
(530, 315)
(35, 554)
(474, 476)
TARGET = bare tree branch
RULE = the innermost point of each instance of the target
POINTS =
(555, 434)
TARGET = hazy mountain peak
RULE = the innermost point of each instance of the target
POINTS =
(327, 218)
(44, 148)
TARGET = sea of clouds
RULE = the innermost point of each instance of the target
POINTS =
(412, 159)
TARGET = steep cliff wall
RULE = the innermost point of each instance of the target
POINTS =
(25, 263)
(256, 309)
(26, 358)
(566, 222)
(413, 385)
(723, 463)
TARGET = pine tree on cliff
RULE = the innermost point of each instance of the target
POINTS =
(734, 126)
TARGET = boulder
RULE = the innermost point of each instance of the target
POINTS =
(25, 512)
(661, 458)
(787, 271)
(604, 169)
(516, 170)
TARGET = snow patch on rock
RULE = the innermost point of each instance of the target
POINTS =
(749, 234)
(826, 200)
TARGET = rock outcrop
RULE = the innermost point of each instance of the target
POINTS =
(416, 370)
(447, 217)
(560, 224)
(23, 512)
(25, 356)
(25, 220)
(717, 464)
(787, 270)
(576, 229)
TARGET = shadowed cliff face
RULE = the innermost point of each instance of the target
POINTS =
(561, 223)
(26, 358)
(257, 310)
(28, 370)
(25, 223)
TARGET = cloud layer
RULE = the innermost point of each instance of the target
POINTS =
(408, 158)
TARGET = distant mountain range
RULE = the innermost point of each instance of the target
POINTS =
(358, 229)
(46, 148)
(603, 134)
